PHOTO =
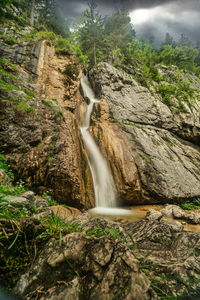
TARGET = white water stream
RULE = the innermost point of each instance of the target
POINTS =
(104, 188)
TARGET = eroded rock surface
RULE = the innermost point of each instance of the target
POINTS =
(39, 131)
(153, 151)
(106, 260)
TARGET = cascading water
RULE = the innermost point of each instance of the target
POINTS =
(104, 188)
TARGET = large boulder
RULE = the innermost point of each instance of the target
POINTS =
(153, 151)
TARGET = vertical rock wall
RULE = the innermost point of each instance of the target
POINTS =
(44, 145)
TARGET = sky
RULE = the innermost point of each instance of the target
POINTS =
(149, 17)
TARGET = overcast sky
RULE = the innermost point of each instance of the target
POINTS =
(149, 17)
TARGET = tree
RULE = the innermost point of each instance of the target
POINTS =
(91, 33)
(32, 13)
(184, 41)
(119, 31)
(167, 55)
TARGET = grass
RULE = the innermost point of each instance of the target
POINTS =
(23, 107)
(50, 201)
(7, 74)
(6, 189)
(5, 167)
(7, 65)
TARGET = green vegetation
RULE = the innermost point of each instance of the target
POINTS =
(58, 112)
(29, 93)
(7, 189)
(190, 205)
(8, 40)
(144, 157)
(7, 86)
(8, 77)
(99, 232)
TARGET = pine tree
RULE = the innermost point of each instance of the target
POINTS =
(119, 31)
(91, 33)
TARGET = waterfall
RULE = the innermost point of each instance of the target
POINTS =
(104, 188)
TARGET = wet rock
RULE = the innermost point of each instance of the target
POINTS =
(173, 211)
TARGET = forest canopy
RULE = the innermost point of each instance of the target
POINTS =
(95, 38)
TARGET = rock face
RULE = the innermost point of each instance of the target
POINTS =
(106, 261)
(39, 132)
(153, 151)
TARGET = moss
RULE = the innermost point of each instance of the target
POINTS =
(168, 142)
(7, 65)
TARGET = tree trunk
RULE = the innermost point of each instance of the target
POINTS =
(95, 58)
(32, 13)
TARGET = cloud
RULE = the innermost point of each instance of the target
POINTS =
(177, 17)
(74, 7)
(157, 17)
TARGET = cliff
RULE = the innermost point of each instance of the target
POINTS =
(39, 133)
(153, 148)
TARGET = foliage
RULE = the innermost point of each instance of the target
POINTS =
(57, 112)
(4, 166)
(6, 189)
(99, 232)
(50, 201)
(118, 31)
(90, 33)
(190, 205)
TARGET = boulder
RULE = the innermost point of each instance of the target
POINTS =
(153, 214)
(176, 212)
(65, 213)
(25, 200)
